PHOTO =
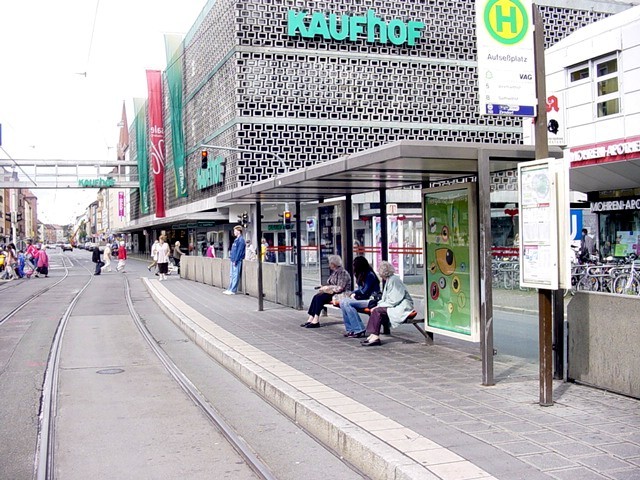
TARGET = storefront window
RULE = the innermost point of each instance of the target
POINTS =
(619, 233)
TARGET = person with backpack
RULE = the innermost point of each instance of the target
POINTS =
(587, 247)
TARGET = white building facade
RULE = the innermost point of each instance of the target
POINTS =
(593, 75)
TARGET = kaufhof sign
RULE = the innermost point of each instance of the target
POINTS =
(613, 151)
(345, 27)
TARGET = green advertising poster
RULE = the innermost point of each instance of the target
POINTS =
(449, 261)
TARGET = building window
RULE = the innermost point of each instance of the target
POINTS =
(607, 92)
(579, 73)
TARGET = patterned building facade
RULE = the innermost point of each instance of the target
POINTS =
(248, 84)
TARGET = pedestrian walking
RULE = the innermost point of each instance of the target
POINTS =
(122, 258)
(11, 262)
(236, 256)
(42, 262)
(211, 251)
(107, 258)
(587, 247)
(30, 255)
(177, 255)
(95, 258)
(154, 255)
(21, 264)
(162, 257)
(252, 255)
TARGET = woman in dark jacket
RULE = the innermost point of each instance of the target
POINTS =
(338, 282)
(96, 258)
(368, 285)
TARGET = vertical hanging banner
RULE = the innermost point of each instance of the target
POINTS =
(123, 140)
(174, 50)
(139, 105)
(121, 204)
(156, 136)
(506, 70)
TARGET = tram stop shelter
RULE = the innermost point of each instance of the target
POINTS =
(402, 164)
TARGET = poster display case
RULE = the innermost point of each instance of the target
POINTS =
(451, 262)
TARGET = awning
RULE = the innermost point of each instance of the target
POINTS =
(400, 164)
(605, 176)
(168, 222)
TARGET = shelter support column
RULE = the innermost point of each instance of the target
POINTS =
(384, 240)
(298, 257)
(348, 230)
(484, 247)
(259, 241)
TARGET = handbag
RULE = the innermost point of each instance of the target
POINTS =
(375, 298)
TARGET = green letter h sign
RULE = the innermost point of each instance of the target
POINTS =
(501, 19)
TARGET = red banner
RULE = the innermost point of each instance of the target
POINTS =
(156, 135)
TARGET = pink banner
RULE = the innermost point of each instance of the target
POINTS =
(156, 135)
(121, 204)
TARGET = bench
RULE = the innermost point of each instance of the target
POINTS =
(413, 319)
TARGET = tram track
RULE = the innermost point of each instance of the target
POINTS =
(45, 466)
(33, 296)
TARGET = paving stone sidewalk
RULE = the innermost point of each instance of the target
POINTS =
(436, 391)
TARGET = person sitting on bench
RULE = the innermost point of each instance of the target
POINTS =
(339, 281)
(368, 285)
(396, 304)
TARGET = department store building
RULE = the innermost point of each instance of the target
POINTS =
(276, 86)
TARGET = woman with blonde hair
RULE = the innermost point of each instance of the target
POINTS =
(396, 304)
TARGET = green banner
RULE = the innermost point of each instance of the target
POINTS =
(175, 49)
(139, 105)
(448, 261)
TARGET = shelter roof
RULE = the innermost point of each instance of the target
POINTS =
(401, 164)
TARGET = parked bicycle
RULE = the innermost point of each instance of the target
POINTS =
(627, 281)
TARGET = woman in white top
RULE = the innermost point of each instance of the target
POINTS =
(107, 258)
(163, 257)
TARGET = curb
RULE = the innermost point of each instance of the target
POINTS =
(301, 399)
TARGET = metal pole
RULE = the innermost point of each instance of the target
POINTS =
(348, 230)
(299, 299)
(545, 314)
(384, 240)
(259, 235)
(484, 247)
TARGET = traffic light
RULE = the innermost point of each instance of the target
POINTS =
(245, 219)
(205, 159)
(287, 218)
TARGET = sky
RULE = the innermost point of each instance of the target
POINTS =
(66, 67)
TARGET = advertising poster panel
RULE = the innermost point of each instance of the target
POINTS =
(330, 236)
(451, 262)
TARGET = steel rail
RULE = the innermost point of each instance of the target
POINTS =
(190, 389)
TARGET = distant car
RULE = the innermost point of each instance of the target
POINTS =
(67, 247)
(50, 246)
